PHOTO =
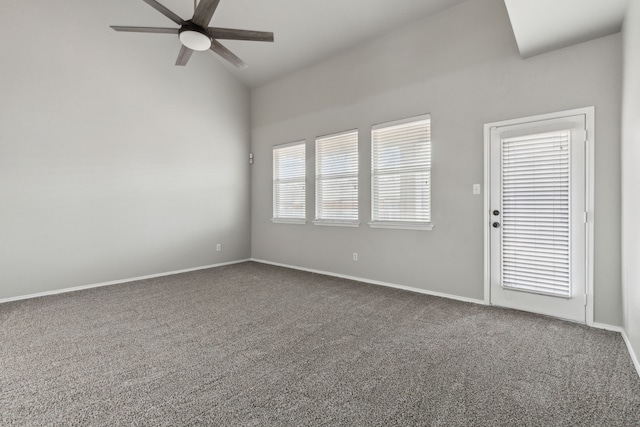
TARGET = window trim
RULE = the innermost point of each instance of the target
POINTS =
(288, 221)
(280, 220)
(400, 225)
(337, 222)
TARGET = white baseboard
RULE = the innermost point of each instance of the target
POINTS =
(374, 282)
(622, 332)
(632, 353)
(117, 282)
(606, 327)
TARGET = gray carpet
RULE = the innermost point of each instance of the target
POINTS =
(252, 344)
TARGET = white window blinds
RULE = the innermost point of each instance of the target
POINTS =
(289, 182)
(535, 213)
(401, 173)
(337, 178)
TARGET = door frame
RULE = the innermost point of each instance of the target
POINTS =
(589, 113)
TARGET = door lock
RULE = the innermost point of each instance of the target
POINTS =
(496, 212)
(496, 225)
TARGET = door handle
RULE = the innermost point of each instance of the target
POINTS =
(496, 212)
(496, 225)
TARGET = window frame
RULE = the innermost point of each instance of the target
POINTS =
(303, 179)
(399, 224)
(337, 221)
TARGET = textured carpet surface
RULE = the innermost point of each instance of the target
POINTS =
(252, 344)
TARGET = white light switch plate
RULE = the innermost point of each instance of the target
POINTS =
(476, 189)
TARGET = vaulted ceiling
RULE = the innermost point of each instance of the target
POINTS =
(306, 32)
(544, 25)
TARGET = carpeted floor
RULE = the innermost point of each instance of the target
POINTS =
(252, 344)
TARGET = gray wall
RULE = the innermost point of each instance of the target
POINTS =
(631, 176)
(113, 163)
(463, 67)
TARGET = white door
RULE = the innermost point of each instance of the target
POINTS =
(537, 215)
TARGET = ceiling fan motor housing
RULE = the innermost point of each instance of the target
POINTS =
(194, 37)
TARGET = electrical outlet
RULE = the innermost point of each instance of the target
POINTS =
(355, 256)
(218, 247)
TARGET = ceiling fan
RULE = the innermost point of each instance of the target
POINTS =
(195, 34)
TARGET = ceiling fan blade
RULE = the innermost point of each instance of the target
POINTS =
(184, 55)
(146, 29)
(233, 34)
(204, 12)
(163, 10)
(227, 54)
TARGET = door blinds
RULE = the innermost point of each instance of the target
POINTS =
(289, 181)
(337, 178)
(401, 169)
(535, 213)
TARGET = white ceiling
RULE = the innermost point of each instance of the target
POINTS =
(306, 32)
(544, 25)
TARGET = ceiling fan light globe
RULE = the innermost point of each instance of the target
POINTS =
(195, 40)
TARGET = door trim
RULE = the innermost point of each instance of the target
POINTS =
(589, 113)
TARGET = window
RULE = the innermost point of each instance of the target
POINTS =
(289, 183)
(337, 179)
(401, 174)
